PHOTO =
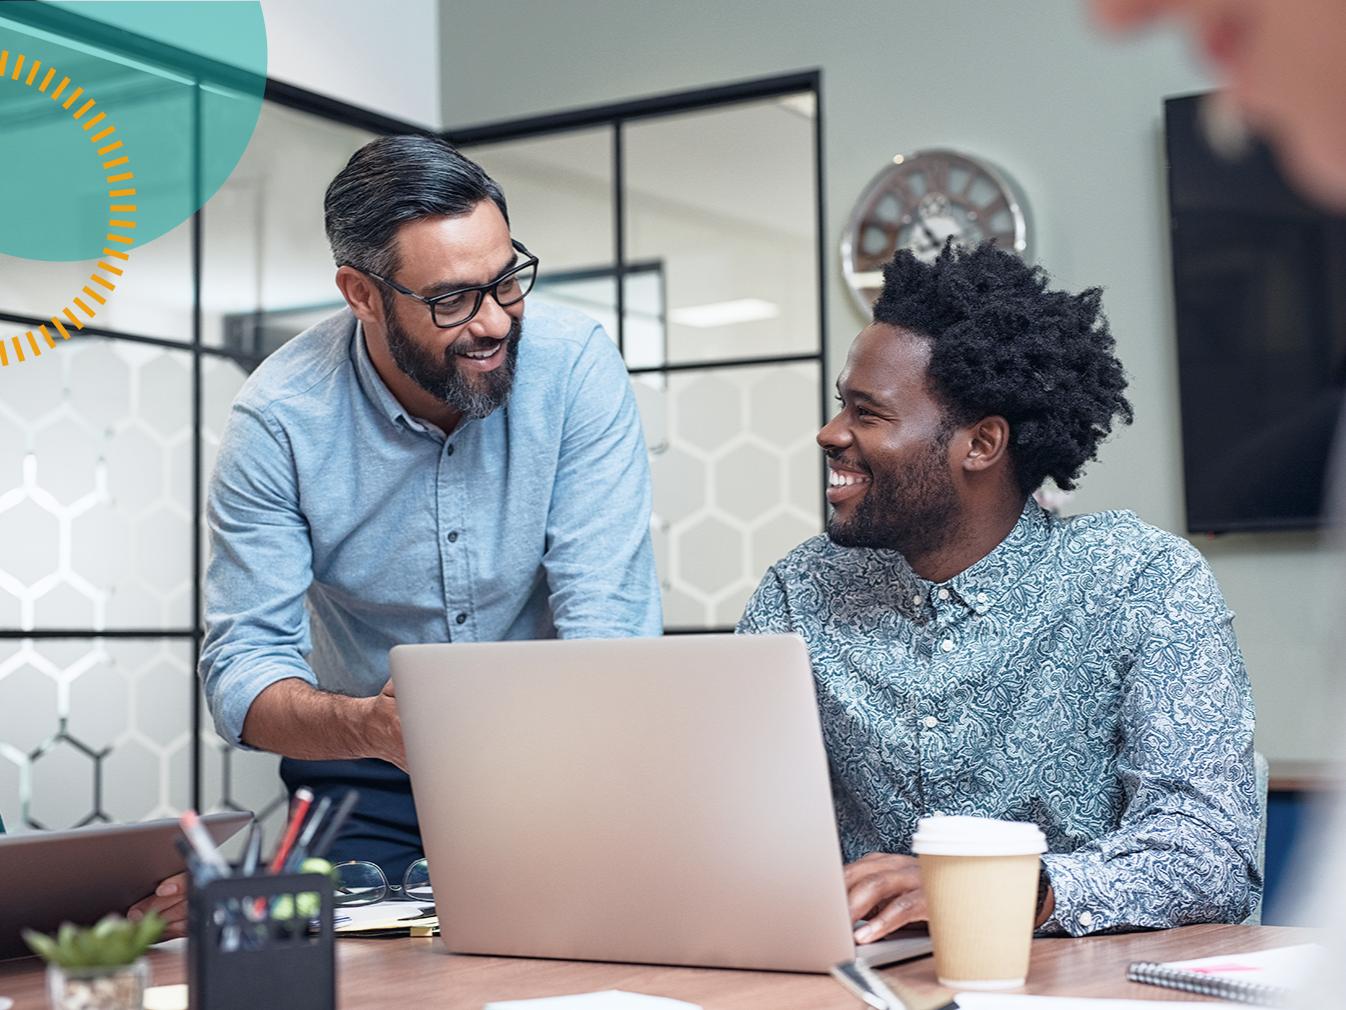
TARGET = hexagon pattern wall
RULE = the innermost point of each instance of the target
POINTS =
(737, 481)
(95, 495)
(100, 729)
(95, 490)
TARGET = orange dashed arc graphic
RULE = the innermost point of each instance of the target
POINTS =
(121, 208)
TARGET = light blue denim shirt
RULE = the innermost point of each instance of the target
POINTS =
(1083, 676)
(341, 526)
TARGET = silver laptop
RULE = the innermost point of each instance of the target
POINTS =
(659, 800)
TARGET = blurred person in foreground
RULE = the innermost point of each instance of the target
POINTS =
(1282, 67)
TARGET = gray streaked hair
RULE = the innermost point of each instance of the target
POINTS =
(391, 181)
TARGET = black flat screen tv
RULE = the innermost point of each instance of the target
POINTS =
(1259, 286)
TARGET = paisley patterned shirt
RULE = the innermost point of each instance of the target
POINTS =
(1083, 675)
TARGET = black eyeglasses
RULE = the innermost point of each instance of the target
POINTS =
(454, 308)
(363, 883)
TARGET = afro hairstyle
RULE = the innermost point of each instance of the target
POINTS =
(1002, 343)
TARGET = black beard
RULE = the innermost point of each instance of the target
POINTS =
(913, 515)
(472, 395)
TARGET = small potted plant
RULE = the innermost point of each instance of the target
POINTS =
(100, 967)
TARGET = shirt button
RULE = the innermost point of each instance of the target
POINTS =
(930, 722)
(453, 537)
(1086, 919)
(947, 645)
(448, 451)
(943, 594)
(461, 618)
(983, 598)
(918, 600)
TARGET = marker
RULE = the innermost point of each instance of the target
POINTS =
(206, 852)
(303, 799)
(305, 843)
(189, 860)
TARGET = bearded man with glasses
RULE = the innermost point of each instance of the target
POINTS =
(428, 465)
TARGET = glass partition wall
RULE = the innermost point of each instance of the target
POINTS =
(110, 440)
(690, 226)
(706, 272)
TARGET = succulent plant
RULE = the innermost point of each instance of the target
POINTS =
(113, 942)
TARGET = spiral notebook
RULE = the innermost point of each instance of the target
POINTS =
(1263, 978)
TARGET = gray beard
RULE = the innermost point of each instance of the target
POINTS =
(473, 396)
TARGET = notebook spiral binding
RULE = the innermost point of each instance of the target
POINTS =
(1255, 993)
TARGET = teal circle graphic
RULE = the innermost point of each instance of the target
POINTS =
(179, 82)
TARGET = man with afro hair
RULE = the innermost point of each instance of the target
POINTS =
(976, 655)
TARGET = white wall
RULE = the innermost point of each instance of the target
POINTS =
(1075, 118)
(383, 56)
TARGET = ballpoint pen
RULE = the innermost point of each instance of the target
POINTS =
(335, 823)
(252, 852)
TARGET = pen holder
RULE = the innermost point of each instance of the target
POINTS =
(250, 943)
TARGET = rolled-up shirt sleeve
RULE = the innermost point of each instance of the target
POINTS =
(1186, 848)
(261, 566)
(598, 558)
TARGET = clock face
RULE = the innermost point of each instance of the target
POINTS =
(917, 203)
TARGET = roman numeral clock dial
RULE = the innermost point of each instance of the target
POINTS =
(920, 201)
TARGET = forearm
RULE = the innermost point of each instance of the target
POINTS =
(295, 719)
(1169, 872)
(1185, 848)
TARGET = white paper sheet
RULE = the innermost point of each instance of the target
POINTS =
(165, 997)
(610, 999)
(382, 915)
(1016, 1001)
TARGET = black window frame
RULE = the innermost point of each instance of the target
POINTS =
(201, 72)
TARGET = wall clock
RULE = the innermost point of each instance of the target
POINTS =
(918, 202)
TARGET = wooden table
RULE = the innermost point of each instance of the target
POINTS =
(417, 973)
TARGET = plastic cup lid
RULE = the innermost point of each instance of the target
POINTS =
(976, 836)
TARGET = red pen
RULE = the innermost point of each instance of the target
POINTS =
(303, 799)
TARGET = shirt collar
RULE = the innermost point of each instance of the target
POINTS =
(990, 579)
(377, 390)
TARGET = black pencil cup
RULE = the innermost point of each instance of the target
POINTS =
(263, 941)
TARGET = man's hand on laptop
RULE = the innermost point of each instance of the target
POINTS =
(386, 727)
(885, 890)
(297, 719)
